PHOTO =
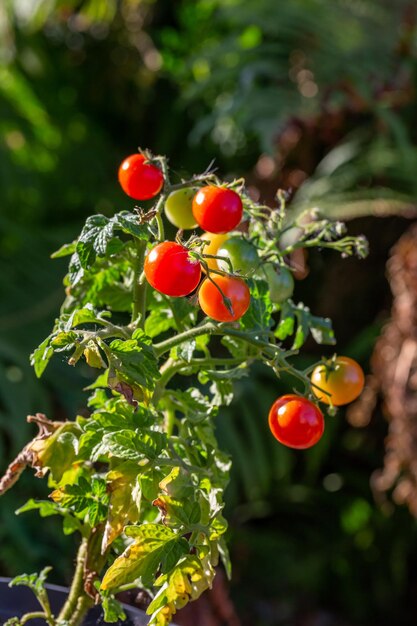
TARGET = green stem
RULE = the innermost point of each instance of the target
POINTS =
(77, 595)
(171, 367)
(169, 421)
(210, 329)
(35, 615)
(139, 288)
(273, 354)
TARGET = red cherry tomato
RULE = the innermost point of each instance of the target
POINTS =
(296, 422)
(217, 209)
(342, 378)
(170, 269)
(212, 303)
(139, 179)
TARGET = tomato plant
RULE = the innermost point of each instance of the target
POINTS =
(141, 479)
(224, 298)
(338, 381)
(296, 422)
(139, 179)
(169, 269)
(217, 209)
(179, 208)
(241, 253)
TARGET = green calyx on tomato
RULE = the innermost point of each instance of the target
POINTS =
(179, 208)
(280, 282)
(241, 253)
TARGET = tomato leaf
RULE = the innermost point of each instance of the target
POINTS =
(134, 360)
(41, 356)
(130, 445)
(112, 609)
(124, 499)
(153, 546)
(298, 317)
(99, 231)
(185, 582)
(47, 508)
(259, 314)
(88, 499)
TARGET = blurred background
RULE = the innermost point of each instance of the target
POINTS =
(313, 96)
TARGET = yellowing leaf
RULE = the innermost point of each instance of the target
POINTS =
(153, 544)
(122, 506)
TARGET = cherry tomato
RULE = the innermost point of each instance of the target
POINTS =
(170, 269)
(280, 281)
(215, 241)
(178, 208)
(342, 378)
(242, 254)
(139, 179)
(212, 303)
(296, 422)
(217, 209)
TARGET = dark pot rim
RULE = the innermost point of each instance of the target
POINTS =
(131, 611)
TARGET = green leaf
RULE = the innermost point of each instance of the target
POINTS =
(47, 508)
(65, 250)
(178, 512)
(95, 236)
(86, 315)
(184, 351)
(192, 403)
(36, 582)
(98, 235)
(130, 445)
(134, 361)
(158, 322)
(41, 356)
(152, 547)
(298, 317)
(87, 499)
(259, 314)
(112, 609)
(129, 223)
(286, 324)
(237, 347)
(63, 340)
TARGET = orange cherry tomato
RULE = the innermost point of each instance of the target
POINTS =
(296, 422)
(343, 379)
(212, 302)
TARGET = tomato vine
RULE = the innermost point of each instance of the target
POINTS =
(142, 478)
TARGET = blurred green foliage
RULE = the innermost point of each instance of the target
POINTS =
(324, 94)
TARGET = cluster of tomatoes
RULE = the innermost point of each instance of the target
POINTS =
(296, 421)
(175, 271)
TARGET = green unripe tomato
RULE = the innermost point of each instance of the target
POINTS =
(178, 208)
(242, 254)
(280, 281)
